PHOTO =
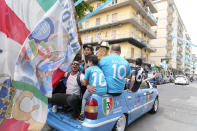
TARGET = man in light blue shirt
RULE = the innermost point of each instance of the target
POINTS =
(115, 69)
(94, 77)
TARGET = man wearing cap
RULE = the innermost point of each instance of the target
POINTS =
(103, 50)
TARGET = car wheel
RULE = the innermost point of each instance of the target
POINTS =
(120, 124)
(155, 106)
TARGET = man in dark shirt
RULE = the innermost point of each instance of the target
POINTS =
(137, 76)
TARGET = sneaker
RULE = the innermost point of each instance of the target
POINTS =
(81, 117)
(75, 115)
(54, 108)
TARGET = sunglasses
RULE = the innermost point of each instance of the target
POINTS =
(76, 64)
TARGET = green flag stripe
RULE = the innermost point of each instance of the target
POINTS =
(46, 4)
(33, 47)
(44, 45)
(54, 47)
(105, 105)
(27, 87)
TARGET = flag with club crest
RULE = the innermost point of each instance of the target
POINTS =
(52, 43)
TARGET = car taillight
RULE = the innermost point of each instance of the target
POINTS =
(185, 79)
(91, 109)
(174, 78)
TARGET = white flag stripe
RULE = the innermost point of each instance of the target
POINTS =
(9, 56)
(29, 11)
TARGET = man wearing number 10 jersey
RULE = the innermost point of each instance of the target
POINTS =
(115, 69)
(94, 77)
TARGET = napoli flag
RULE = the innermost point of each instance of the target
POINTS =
(52, 43)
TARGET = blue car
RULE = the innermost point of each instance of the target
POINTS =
(105, 113)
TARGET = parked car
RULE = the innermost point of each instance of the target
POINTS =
(181, 79)
(172, 79)
(109, 112)
(166, 79)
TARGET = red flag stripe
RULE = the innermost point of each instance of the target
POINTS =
(11, 25)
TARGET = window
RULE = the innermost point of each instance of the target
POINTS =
(133, 33)
(98, 4)
(145, 86)
(87, 24)
(97, 36)
(106, 34)
(98, 21)
(132, 52)
(86, 38)
(107, 17)
(114, 17)
(113, 34)
(114, 2)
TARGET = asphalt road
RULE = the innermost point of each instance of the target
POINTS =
(177, 110)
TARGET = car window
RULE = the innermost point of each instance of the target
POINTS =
(145, 86)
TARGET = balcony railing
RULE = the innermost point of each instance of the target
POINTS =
(179, 61)
(170, 10)
(170, 19)
(168, 56)
(169, 47)
(169, 38)
(180, 43)
(143, 27)
(170, 29)
(136, 5)
(180, 49)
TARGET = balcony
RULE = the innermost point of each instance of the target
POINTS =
(136, 5)
(169, 47)
(134, 21)
(142, 27)
(179, 61)
(103, 26)
(180, 43)
(169, 28)
(170, 10)
(168, 56)
(179, 56)
(169, 38)
(170, 2)
(180, 49)
(170, 19)
(151, 6)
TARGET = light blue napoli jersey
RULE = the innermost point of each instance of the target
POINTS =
(96, 78)
(115, 69)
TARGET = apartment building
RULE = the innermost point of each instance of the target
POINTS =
(193, 66)
(168, 48)
(126, 22)
(187, 55)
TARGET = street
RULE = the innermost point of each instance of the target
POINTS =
(177, 110)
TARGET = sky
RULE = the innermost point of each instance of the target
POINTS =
(187, 10)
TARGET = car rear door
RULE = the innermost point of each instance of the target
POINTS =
(133, 103)
(146, 97)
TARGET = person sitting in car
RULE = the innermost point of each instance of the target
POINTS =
(94, 77)
(137, 76)
(72, 97)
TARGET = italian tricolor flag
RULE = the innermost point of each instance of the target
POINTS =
(28, 23)
(107, 105)
(17, 20)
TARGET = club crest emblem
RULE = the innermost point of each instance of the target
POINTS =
(107, 105)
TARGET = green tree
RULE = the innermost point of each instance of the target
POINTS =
(84, 7)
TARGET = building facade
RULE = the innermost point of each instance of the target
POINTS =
(168, 48)
(126, 22)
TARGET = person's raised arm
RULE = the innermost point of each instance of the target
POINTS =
(150, 78)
